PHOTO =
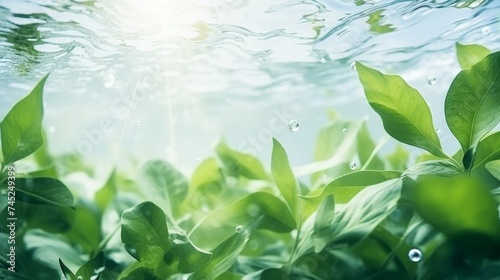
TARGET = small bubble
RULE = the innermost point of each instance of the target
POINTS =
(79, 278)
(366, 117)
(344, 130)
(353, 165)
(293, 125)
(486, 30)
(205, 208)
(198, 160)
(353, 66)
(52, 129)
(438, 130)
(254, 245)
(322, 60)
(139, 123)
(253, 210)
(431, 80)
(415, 255)
(239, 229)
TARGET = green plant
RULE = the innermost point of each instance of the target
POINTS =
(363, 215)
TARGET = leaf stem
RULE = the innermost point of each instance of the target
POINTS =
(105, 241)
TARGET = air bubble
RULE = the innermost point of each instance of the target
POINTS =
(353, 66)
(431, 80)
(79, 278)
(353, 165)
(415, 255)
(366, 117)
(52, 129)
(344, 130)
(293, 125)
(438, 130)
(239, 229)
(322, 60)
(198, 160)
(139, 123)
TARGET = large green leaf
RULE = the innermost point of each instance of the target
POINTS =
(346, 187)
(145, 233)
(487, 150)
(469, 55)
(472, 102)
(404, 112)
(240, 164)
(434, 167)
(43, 191)
(284, 177)
(21, 129)
(160, 179)
(92, 269)
(461, 207)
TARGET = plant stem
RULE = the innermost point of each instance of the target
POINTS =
(105, 241)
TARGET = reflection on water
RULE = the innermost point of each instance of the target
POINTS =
(169, 77)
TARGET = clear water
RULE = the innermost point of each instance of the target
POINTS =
(166, 78)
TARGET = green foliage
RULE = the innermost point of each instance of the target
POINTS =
(21, 128)
(472, 102)
(235, 219)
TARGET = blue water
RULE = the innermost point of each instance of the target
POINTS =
(165, 79)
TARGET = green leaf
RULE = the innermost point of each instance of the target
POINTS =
(66, 271)
(43, 191)
(346, 187)
(433, 167)
(21, 129)
(145, 233)
(240, 164)
(472, 102)
(284, 177)
(226, 253)
(93, 268)
(404, 112)
(107, 193)
(160, 179)
(86, 228)
(487, 150)
(469, 55)
(398, 159)
(494, 168)
(206, 174)
(461, 207)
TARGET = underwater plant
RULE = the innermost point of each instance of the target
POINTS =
(379, 217)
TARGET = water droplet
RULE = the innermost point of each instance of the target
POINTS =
(139, 123)
(79, 278)
(293, 125)
(431, 80)
(254, 245)
(344, 130)
(322, 60)
(353, 165)
(52, 129)
(239, 229)
(353, 65)
(109, 80)
(198, 160)
(253, 210)
(366, 117)
(486, 30)
(438, 130)
(415, 255)
(205, 208)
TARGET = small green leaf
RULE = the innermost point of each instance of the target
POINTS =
(398, 159)
(487, 150)
(460, 207)
(240, 164)
(207, 173)
(284, 177)
(145, 233)
(160, 179)
(43, 191)
(494, 168)
(93, 268)
(472, 101)
(433, 167)
(346, 187)
(66, 271)
(469, 55)
(107, 193)
(468, 159)
(21, 129)
(404, 112)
